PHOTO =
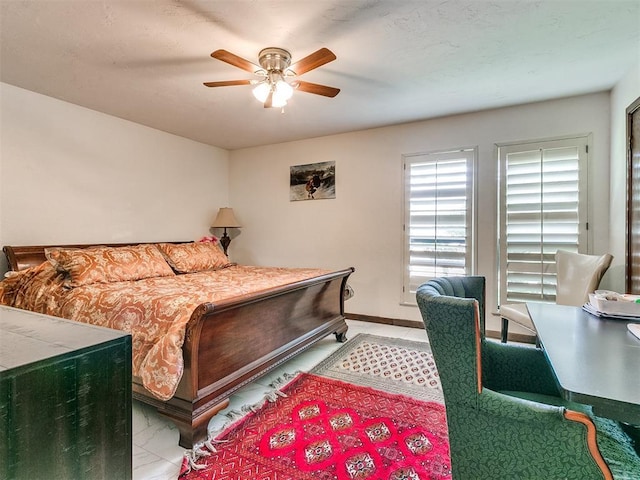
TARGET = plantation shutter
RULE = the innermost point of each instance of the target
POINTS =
(438, 217)
(543, 209)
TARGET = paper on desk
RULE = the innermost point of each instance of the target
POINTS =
(613, 303)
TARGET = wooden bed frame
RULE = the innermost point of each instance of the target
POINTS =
(230, 343)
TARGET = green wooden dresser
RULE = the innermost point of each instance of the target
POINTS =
(65, 399)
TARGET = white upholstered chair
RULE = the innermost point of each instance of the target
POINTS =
(577, 275)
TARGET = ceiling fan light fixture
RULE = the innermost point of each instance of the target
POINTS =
(278, 102)
(261, 91)
(282, 92)
(283, 89)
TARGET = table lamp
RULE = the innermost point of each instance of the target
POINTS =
(225, 219)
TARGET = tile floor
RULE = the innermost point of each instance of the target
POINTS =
(156, 454)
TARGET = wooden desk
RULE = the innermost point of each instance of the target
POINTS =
(596, 361)
(65, 408)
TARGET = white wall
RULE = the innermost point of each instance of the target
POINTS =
(73, 175)
(623, 95)
(362, 227)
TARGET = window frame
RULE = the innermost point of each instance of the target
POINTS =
(583, 144)
(408, 295)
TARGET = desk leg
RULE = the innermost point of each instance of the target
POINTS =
(504, 331)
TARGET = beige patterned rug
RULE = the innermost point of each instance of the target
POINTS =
(393, 365)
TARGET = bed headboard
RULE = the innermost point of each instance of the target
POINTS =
(20, 257)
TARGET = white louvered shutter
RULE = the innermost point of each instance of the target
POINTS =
(543, 209)
(438, 217)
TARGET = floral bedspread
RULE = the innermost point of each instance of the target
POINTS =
(155, 311)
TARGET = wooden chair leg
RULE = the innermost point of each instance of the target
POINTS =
(504, 331)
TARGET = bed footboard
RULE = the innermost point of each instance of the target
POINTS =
(232, 343)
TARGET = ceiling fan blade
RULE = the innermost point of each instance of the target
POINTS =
(315, 60)
(227, 83)
(317, 89)
(268, 103)
(235, 60)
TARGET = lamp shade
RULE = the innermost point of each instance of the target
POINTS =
(225, 219)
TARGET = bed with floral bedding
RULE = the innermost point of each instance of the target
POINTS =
(201, 327)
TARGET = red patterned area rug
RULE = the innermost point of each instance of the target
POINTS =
(322, 428)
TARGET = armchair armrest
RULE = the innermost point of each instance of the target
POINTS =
(518, 409)
(517, 367)
(546, 434)
(554, 434)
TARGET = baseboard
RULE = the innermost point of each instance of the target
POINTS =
(399, 322)
(512, 337)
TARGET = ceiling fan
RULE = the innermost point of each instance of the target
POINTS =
(276, 75)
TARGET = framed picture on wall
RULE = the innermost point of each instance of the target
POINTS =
(313, 181)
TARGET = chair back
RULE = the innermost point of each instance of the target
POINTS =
(578, 275)
(453, 313)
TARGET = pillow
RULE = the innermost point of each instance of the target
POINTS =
(109, 264)
(194, 257)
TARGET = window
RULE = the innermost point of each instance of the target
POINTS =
(543, 208)
(439, 216)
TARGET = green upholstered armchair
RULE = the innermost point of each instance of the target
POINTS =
(505, 416)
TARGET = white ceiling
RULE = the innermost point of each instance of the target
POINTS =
(397, 60)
